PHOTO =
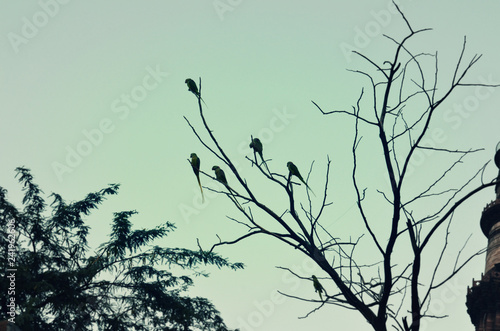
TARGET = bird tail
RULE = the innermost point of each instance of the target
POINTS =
(201, 189)
(307, 186)
(199, 96)
(265, 163)
(233, 197)
(310, 189)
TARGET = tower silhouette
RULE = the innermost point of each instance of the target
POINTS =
(483, 298)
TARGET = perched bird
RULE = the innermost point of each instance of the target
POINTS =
(220, 176)
(193, 88)
(195, 164)
(317, 287)
(294, 171)
(257, 148)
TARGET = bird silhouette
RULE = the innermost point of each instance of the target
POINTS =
(258, 148)
(317, 286)
(195, 164)
(294, 171)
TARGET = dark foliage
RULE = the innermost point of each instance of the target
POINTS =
(127, 285)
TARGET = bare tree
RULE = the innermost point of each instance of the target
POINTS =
(398, 109)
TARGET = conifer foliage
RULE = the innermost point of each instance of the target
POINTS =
(127, 284)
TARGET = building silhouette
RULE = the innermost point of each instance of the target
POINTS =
(483, 298)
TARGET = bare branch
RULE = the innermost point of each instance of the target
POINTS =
(452, 209)
(343, 112)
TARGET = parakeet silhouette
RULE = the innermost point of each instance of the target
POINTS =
(193, 88)
(294, 171)
(258, 148)
(195, 164)
(317, 286)
(221, 177)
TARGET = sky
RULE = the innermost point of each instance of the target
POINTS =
(93, 93)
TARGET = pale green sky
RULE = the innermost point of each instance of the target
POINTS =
(71, 68)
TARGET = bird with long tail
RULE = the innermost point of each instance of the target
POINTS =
(294, 171)
(195, 164)
(220, 176)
